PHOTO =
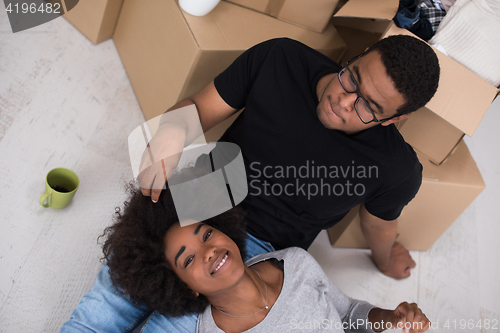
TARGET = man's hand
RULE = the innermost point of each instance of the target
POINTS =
(177, 128)
(408, 317)
(400, 263)
(159, 160)
(390, 257)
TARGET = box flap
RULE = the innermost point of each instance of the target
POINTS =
(232, 27)
(89, 16)
(109, 19)
(459, 169)
(427, 132)
(310, 14)
(313, 15)
(462, 97)
(259, 5)
(380, 9)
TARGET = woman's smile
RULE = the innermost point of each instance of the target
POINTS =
(221, 263)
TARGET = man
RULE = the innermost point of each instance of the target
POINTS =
(317, 140)
(278, 130)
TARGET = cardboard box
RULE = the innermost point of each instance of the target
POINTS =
(426, 131)
(460, 101)
(445, 193)
(169, 54)
(96, 19)
(310, 14)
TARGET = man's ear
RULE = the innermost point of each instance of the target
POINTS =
(395, 119)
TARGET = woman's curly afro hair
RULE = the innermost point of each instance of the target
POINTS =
(135, 252)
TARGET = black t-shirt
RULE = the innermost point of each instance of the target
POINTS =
(303, 177)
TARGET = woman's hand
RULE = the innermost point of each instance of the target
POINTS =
(408, 317)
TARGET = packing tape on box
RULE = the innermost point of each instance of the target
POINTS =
(214, 170)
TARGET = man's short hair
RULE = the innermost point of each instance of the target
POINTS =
(413, 67)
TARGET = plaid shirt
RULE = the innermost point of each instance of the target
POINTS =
(433, 11)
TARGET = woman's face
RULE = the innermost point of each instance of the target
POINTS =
(204, 258)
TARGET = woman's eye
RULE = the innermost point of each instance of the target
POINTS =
(207, 234)
(188, 261)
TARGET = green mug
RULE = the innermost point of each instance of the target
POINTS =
(60, 187)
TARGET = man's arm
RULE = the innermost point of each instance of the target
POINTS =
(212, 109)
(173, 136)
(391, 258)
(409, 317)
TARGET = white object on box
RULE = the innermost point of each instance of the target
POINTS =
(440, 48)
(198, 7)
(469, 34)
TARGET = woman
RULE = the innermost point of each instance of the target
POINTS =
(198, 269)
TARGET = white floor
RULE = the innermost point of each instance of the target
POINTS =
(66, 102)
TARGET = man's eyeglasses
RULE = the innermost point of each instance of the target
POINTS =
(363, 109)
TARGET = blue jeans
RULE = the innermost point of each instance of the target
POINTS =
(104, 309)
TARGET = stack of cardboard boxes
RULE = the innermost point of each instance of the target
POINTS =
(451, 179)
(169, 55)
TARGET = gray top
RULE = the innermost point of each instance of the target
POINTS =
(308, 302)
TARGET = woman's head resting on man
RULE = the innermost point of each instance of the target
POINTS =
(145, 259)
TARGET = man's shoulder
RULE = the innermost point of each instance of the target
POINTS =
(286, 42)
(293, 48)
(393, 153)
(396, 144)
(282, 43)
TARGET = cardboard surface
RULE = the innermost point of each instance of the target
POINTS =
(96, 19)
(446, 191)
(424, 129)
(169, 54)
(381, 9)
(310, 14)
(462, 97)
